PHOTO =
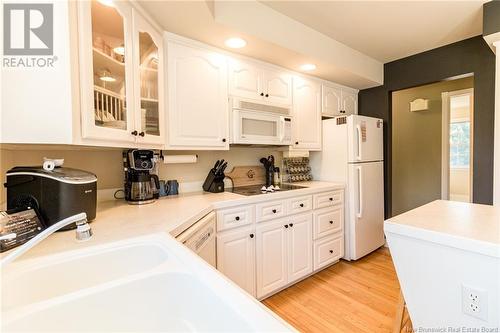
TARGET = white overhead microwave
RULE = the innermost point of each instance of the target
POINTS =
(255, 123)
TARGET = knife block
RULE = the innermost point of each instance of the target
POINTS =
(214, 183)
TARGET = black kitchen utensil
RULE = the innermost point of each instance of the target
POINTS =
(269, 167)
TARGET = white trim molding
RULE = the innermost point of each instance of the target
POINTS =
(496, 143)
(445, 142)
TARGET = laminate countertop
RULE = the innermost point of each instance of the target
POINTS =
(471, 227)
(117, 220)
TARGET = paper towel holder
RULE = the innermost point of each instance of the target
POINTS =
(180, 159)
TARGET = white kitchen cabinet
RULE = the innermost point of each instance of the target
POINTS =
(331, 100)
(349, 102)
(277, 87)
(121, 76)
(271, 256)
(107, 77)
(338, 101)
(283, 253)
(148, 80)
(236, 257)
(254, 81)
(300, 259)
(328, 221)
(245, 79)
(328, 250)
(306, 126)
(291, 239)
(197, 116)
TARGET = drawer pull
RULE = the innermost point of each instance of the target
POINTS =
(291, 224)
(286, 225)
(237, 218)
(331, 251)
(331, 222)
(274, 211)
(301, 205)
(331, 199)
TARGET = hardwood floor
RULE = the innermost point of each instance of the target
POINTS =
(347, 297)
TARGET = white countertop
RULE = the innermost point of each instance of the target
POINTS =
(117, 220)
(467, 226)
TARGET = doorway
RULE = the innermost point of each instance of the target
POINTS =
(457, 143)
(416, 143)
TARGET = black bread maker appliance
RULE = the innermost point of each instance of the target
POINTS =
(57, 194)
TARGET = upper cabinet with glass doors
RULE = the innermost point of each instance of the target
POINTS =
(121, 73)
(148, 60)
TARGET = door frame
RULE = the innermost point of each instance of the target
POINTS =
(445, 141)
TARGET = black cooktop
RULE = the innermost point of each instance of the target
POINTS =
(257, 189)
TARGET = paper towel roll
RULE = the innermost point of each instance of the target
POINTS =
(177, 159)
(49, 165)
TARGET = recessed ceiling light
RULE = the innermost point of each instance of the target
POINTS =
(119, 50)
(108, 3)
(308, 67)
(235, 43)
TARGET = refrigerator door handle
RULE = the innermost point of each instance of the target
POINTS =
(360, 193)
(358, 132)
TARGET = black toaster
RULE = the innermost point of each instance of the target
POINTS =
(57, 194)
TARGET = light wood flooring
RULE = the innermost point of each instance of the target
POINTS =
(348, 297)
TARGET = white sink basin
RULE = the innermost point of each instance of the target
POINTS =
(159, 301)
(58, 275)
(151, 283)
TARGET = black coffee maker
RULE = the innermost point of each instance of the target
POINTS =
(141, 185)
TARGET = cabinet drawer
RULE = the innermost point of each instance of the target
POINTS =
(270, 210)
(328, 199)
(328, 250)
(234, 217)
(299, 204)
(328, 221)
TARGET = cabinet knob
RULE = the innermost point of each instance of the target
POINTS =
(286, 225)
(237, 218)
(267, 95)
(331, 251)
(301, 205)
(296, 142)
(251, 235)
(274, 211)
(224, 140)
(331, 199)
(291, 224)
(262, 94)
(134, 133)
(331, 222)
(142, 134)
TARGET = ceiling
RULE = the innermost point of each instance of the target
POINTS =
(380, 30)
(388, 30)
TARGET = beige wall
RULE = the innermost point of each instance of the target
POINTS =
(416, 145)
(107, 163)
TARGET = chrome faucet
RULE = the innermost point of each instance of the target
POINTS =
(83, 233)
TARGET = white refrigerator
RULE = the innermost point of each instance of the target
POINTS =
(352, 153)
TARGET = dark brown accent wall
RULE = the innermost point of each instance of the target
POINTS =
(491, 17)
(470, 56)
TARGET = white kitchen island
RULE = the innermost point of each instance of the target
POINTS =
(447, 258)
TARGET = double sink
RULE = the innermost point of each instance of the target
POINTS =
(134, 285)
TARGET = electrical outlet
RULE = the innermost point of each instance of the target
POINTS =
(475, 302)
